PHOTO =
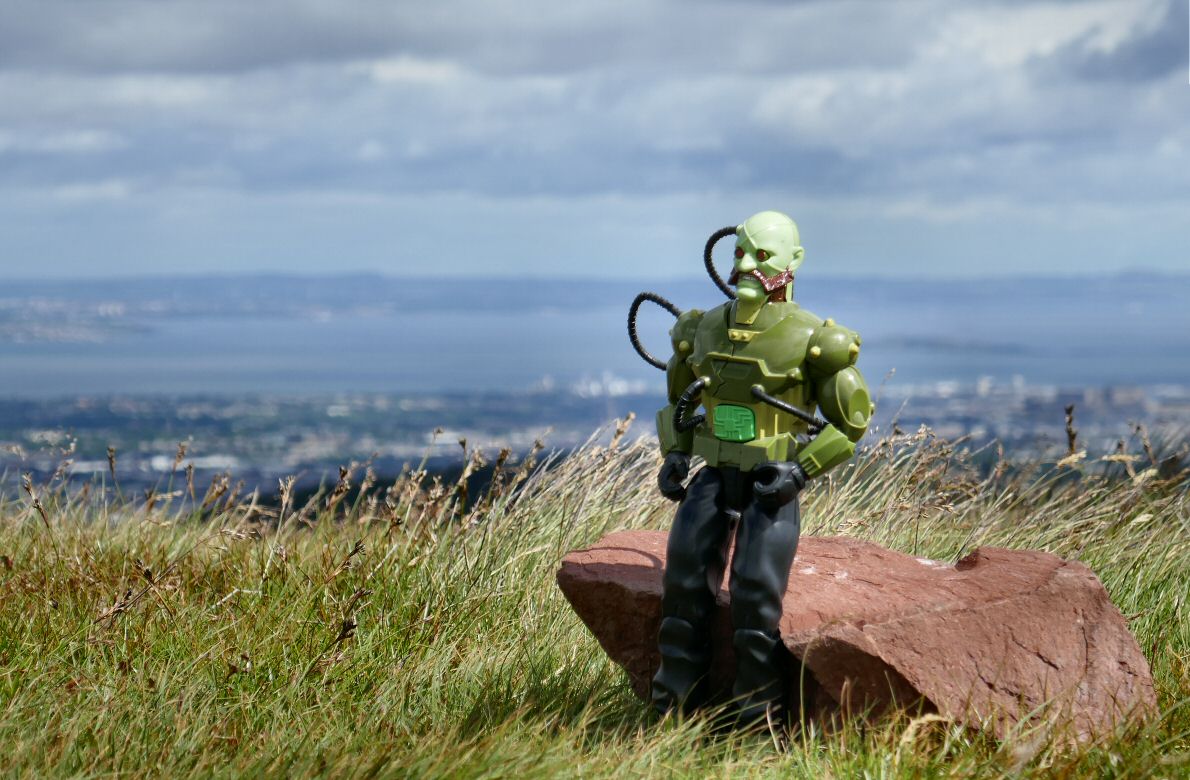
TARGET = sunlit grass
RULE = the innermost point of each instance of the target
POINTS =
(410, 629)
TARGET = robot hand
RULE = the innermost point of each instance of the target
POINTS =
(777, 483)
(673, 473)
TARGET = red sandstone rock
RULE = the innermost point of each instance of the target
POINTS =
(996, 639)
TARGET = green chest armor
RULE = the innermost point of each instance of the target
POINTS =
(741, 431)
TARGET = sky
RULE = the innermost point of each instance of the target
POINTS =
(591, 138)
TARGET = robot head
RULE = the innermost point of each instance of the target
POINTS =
(767, 252)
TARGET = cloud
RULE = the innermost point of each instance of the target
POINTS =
(1153, 46)
(226, 36)
(68, 142)
(371, 151)
(943, 111)
(412, 70)
(111, 189)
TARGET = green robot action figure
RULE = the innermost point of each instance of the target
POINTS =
(759, 365)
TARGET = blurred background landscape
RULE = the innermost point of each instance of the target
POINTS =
(271, 376)
(292, 236)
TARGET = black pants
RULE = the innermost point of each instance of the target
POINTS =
(766, 542)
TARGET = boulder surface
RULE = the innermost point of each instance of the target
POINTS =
(1000, 638)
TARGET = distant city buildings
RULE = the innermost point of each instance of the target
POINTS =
(261, 439)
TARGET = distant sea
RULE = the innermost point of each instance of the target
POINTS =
(298, 336)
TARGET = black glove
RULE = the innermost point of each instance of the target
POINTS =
(777, 483)
(672, 474)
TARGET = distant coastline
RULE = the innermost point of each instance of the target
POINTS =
(305, 335)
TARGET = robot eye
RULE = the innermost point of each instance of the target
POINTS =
(739, 251)
(762, 255)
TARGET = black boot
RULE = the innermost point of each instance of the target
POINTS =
(681, 681)
(759, 676)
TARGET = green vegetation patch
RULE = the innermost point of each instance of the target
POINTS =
(419, 632)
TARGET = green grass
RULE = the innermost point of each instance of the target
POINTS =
(402, 634)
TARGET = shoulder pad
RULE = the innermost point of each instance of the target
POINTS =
(845, 401)
(831, 348)
(684, 329)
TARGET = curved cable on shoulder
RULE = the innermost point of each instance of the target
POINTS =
(709, 261)
(633, 310)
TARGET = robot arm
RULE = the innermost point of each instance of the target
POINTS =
(678, 375)
(842, 396)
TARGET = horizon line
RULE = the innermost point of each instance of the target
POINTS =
(369, 274)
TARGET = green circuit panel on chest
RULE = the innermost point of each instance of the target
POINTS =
(733, 423)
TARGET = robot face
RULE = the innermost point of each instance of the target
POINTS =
(767, 253)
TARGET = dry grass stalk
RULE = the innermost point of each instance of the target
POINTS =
(356, 550)
(34, 499)
(218, 487)
(340, 490)
(1071, 432)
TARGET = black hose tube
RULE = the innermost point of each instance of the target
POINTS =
(709, 261)
(816, 424)
(633, 310)
(681, 424)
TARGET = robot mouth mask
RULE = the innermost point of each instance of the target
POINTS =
(770, 283)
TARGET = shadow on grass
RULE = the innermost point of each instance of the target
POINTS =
(596, 701)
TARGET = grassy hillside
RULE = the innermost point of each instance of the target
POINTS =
(418, 631)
